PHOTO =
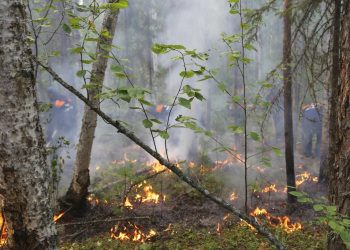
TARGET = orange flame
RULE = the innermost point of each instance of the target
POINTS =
(269, 189)
(281, 221)
(131, 232)
(58, 216)
(59, 103)
(303, 177)
(4, 231)
(128, 204)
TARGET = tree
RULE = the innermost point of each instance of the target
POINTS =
(288, 106)
(24, 172)
(78, 190)
(339, 161)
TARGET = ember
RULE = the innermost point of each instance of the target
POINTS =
(128, 204)
(130, 232)
(58, 216)
(59, 103)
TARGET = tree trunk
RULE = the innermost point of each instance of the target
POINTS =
(288, 105)
(24, 173)
(78, 190)
(339, 153)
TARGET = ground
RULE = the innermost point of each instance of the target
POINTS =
(164, 213)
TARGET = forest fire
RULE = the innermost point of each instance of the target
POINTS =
(218, 228)
(280, 221)
(130, 232)
(305, 177)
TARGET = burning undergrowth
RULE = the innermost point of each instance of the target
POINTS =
(139, 202)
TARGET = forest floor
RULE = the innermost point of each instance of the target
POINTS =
(163, 213)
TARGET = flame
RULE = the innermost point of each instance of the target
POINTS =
(218, 229)
(159, 108)
(281, 221)
(128, 204)
(93, 200)
(303, 177)
(58, 216)
(233, 196)
(226, 217)
(269, 189)
(148, 195)
(156, 166)
(130, 232)
(59, 103)
(4, 230)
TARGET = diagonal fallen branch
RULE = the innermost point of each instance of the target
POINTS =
(121, 129)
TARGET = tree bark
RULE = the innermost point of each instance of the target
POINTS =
(339, 153)
(288, 105)
(78, 190)
(24, 173)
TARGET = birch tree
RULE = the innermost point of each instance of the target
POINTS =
(78, 190)
(24, 172)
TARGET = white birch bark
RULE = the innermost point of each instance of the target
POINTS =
(24, 173)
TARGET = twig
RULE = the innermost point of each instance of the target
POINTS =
(101, 221)
(128, 133)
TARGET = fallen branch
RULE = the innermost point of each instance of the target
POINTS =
(103, 221)
(121, 129)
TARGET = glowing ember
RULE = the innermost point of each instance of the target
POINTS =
(233, 196)
(128, 204)
(269, 189)
(130, 232)
(281, 221)
(59, 103)
(305, 177)
(58, 216)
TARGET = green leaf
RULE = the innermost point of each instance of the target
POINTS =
(76, 50)
(156, 121)
(255, 136)
(199, 96)
(81, 73)
(318, 207)
(121, 4)
(187, 74)
(184, 102)
(297, 194)
(66, 28)
(164, 135)
(235, 129)
(277, 151)
(147, 123)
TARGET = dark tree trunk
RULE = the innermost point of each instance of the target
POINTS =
(288, 105)
(339, 153)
